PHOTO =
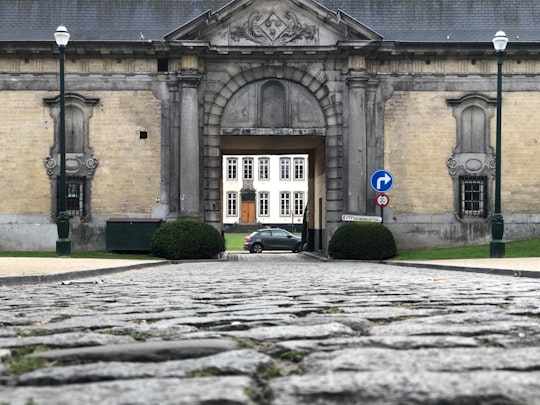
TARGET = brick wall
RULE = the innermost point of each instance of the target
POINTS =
(420, 133)
(128, 177)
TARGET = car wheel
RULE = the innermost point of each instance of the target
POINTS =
(256, 248)
(298, 248)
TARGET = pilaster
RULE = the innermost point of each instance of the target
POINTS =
(190, 167)
(356, 144)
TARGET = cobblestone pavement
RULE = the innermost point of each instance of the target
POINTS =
(272, 329)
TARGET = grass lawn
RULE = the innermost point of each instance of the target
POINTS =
(524, 248)
(235, 241)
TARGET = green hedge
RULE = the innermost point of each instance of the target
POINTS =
(187, 239)
(362, 241)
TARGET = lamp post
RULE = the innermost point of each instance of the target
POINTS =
(63, 244)
(496, 247)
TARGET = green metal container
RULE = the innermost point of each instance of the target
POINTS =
(130, 234)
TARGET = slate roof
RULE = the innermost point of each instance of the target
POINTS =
(395, 20)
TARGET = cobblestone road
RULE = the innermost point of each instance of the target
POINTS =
(273, 329)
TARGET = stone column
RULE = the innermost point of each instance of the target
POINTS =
(357, 138)
(189, 145)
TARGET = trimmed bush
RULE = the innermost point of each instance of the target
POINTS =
(187, 239)
(362, 241)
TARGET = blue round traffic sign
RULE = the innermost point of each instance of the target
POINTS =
(382, 180)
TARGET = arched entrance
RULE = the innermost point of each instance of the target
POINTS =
(278, 116)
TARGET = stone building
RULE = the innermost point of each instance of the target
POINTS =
(157, 91)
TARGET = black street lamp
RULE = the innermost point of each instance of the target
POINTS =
(63, 244)
(496, 247)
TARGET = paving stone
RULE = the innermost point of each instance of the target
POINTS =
(69, 339)
(451, 359)
(468, 324)
(162, 391)
(382, 388)
(287, 332)
(148, 351)
(234, 362)
(391, 342)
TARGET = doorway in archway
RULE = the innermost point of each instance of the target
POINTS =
(267, 190)
(277, 181)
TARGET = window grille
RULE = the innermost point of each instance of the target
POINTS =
(473, 196)
(75, 196)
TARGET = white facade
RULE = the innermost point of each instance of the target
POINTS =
(264, 189)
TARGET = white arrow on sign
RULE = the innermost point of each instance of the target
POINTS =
(383, 180)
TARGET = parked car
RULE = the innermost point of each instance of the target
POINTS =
(272, 239)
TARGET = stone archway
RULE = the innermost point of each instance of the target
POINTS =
(319, 135)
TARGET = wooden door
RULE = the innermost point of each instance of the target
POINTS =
(248, 212)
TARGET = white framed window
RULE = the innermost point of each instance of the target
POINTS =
(248, 168)
(298, 167)
(232, 168)
(264, 203)
(284, 203)
(298, 199)
(232, 204)
(264, 169)
(284, 168)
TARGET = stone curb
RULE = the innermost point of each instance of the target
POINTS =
(440, 266)
(469, 269)
(70, 275)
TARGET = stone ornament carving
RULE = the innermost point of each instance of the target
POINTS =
(73, 165)
(464, 163)
(50, 163)
(273, 29)
(81, 160)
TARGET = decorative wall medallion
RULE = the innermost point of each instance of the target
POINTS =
(92, 164)
(273, 29)
(73, 163)
(49, 164)
(452, 165)
(473, 165)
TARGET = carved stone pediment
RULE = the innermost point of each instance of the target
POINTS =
(273, 23)
(273, 29)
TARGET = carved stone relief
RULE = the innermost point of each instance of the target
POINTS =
(80, 158)
(472, 153)
(273, 28)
